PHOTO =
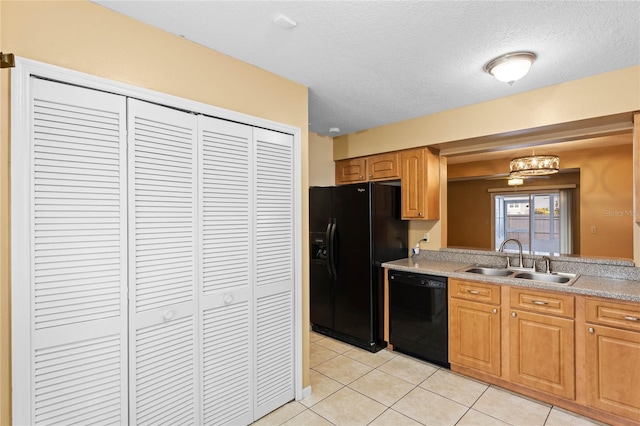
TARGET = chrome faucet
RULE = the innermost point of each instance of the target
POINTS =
(547, 264)
(519, 251)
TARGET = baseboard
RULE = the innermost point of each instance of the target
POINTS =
(305, 393)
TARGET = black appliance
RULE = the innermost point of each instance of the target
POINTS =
(353, 229)
(418, 319)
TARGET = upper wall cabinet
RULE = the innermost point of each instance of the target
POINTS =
(384, 166)
(351, 171)
(420, 184)
(376, 167)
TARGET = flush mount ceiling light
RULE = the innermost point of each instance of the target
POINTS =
(514, 181)
(535, 165)
(334, 129)
(511, 66)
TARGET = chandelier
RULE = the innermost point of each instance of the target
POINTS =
(535, 165)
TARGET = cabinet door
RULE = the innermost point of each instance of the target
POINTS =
(384, 166)
(273, 277)
(474, 335)
(69, 251)
(542, 354)
(163, 360)
(420, 184)
(351, 171)
(613, 370)
(225, 152)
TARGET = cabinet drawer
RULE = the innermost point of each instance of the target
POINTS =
(613, 313)
(472, 290)
(541, 301)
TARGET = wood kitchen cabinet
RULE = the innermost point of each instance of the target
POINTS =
(474, 325)
(372, 168)
(613, 357)
(384, 166)
(578, 352)
(351, 171)
(420, 184)
(542, 341)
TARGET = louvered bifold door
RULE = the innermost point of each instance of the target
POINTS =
(226, 256)
(274, 270)
(163, 361)
(77, 265)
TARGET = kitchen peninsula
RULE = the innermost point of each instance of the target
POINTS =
(576, 346)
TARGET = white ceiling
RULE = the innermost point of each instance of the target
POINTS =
(370, 63)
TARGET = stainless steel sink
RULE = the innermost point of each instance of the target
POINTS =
(499, 272)
(558, 278)
(553, 277)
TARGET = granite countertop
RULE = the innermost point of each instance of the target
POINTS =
(613, 288)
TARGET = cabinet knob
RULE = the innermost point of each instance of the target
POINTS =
(361, 177)
(228, 299)
(513, 314)
(494, 310)
(591, 330)
(168, 315)
(370, 176)
(420, 214)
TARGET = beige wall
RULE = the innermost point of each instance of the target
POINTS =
(86, 37)
(602, 95)
(321, 164)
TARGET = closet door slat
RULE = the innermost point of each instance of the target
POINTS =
(163, 340)
(78, 256)
(273, 275)
(226, 263)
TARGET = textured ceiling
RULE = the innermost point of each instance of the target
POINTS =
(370, 63)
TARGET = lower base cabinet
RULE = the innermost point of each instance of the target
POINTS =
(613, 370)
(541, 351)
(542, 341)
(612, 343)
(581, 353)
(475, 338)
(474, 326)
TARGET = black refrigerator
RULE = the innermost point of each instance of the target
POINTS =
(353, 229)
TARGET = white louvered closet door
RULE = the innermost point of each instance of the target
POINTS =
(226, 258)
(163, 343)
(274, 270)
(77, 351)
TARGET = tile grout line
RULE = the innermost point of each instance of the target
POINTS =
(415, 386)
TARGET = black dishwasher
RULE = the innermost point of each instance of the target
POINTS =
(418, 318)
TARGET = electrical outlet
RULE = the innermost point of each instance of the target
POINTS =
(425, 237)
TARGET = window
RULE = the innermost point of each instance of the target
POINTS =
(541, 221)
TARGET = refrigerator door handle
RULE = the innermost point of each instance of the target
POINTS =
(327, 239)
(332, 244)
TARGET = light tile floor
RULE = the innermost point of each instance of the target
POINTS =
(351, 386)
